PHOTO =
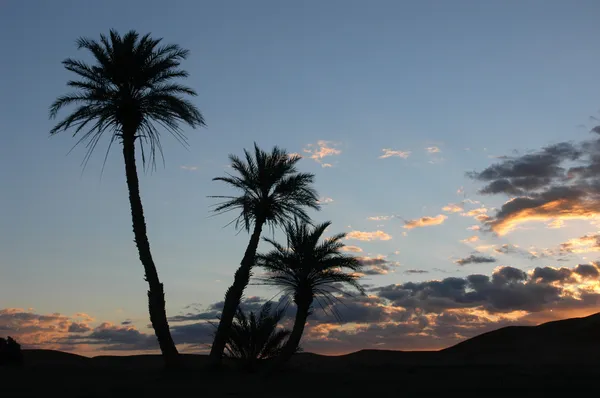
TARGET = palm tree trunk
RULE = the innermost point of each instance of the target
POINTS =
(234, 295)
(290, 347)
(156, 294)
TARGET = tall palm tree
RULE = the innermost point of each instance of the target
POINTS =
(255, 337)
(308, 269)
(272, 193)
(127, 92)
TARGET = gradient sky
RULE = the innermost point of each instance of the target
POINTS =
(470, 80)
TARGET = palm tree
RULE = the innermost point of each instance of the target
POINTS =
(272, 193)
(308, 269)
(256, 337)
(127, 93)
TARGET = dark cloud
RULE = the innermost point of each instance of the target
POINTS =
(416, 271)
(533, 170)
(377, 265)
(508, 289)
(79, 328)
(213, 311)
(109, 337)
(558, 182)
(475, 259)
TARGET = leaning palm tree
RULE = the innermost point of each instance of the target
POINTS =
(127, 93)
(255, 337)
(272, 193)
(309, 269)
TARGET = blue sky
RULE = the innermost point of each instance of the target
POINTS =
(472, 79)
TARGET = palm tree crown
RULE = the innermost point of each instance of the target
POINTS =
(129, 90)
(272, 190)
(310, 267)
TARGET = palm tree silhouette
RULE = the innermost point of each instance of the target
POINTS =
(272, 193)
(308, 269)
(127, 92)
(255, 337)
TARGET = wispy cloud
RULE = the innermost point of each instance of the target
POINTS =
(379, 218)
(351, 249)
(416, 271)
(453, 208)
(388, 153)
(368, 236)
(471, 239)
(321, 150)
(475, 259)
(425, 221)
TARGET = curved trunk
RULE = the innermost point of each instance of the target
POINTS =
(156, 294)
(234, 295)
(291, 346)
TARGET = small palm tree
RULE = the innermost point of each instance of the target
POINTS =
(255, 337)
(127, 92)
(272, 193)
(308, 269)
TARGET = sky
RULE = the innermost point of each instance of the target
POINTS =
(450, 140)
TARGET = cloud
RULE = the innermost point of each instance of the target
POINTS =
(437, 314)
(352, 249)
(453, 208)
(321, 150)
(33, 330)
(470, 239)
(555, 224)
(433, 149)
(425, 221)
(325, 200)
(110, 337)
(189, 168)
(416, 271)
(388, 153)
(430, 314)
(368, 236)
(556, 183)
(379, 218)
(376, 265)
(508, 289)
(584, 244)
(475, 259)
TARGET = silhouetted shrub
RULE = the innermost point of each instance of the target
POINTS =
(10, 352)
(256, 337)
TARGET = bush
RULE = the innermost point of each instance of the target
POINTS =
(10, 352)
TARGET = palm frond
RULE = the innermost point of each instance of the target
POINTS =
(256, 336)
(271, 189)
(310, 265)
(127, 90)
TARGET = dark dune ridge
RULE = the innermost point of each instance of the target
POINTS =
(570, 340)
(559, 356)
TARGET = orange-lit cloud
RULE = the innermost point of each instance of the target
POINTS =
(321, 150)
(453, 208)
(585, 244)
(470, 239)
(388, 153)
(425, 221)
(353, 249)
(555, 224)
(368, 236)
(560, 209)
